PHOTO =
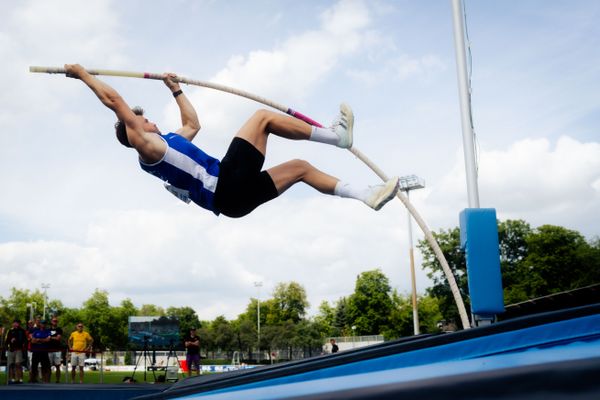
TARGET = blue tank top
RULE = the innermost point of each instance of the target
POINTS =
(189, 173)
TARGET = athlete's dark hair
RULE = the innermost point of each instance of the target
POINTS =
(121, 131)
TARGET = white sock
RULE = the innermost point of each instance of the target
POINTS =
(347, 190)
(324, 135)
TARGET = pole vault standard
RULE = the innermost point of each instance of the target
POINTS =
(428, 235)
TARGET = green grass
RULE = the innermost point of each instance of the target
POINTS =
(93, 377)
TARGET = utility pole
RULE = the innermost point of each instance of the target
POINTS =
(258, 285)
(31, 310)
(408, 183)
(45, 286)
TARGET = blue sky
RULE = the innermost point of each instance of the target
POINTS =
(77, 212)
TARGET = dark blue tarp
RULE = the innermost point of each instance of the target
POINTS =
(568, 338)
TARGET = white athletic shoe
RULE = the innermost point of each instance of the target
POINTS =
(343, 126)
(381, 194)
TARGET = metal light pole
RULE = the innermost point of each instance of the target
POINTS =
(45, 286)
(258, 285)
(408, 183)
(31, 310)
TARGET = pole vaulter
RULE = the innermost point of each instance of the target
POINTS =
(373, 199)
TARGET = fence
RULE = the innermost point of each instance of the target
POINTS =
(351, 342)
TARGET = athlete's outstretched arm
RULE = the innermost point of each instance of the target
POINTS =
(145, 143)
(189, 118)
(106, 94)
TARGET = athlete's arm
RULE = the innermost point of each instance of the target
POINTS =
(189, 118)
(107, 95)
(147, 144)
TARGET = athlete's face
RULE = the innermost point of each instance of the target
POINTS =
(148, 125)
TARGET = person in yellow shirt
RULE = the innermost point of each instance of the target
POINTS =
(80, 343)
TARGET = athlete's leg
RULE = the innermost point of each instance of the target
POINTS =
(291, 172)
(256, 130)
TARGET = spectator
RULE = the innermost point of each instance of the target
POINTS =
(80, 342)
(16, 343)
(334, 346)
(40, 342)
(192, 346)
(55, 347)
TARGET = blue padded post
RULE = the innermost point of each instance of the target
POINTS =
(479, 240)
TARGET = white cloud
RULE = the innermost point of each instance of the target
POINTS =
(532, 173)
(185, 257)
(532, 180)
(400, 68)
(53, 33)
(69, 267)
(596, 185)
(290, 71)
(46, 137)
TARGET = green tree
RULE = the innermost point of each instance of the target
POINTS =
(187, 318)
(429, 314)
(15, 306)
(590, 264)
(267, 312)
(449, 242)
(534, 263)
(271, 338)
(108, 325)
(558, 259)
(207, 337)
(291, 301)
(308, 337)
(121, 316)
(151, 310)
(68, 319)
(401, 317)
(100, 321)
(371, 304)
(250, 318)
(285, 338)
(325, 320)
(223, 334)
(270, 312)
(245, 333)
(341, 318)
(512, 238)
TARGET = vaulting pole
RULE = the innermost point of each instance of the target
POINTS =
(428, 235)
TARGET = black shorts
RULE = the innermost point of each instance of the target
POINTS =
(242, 186)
